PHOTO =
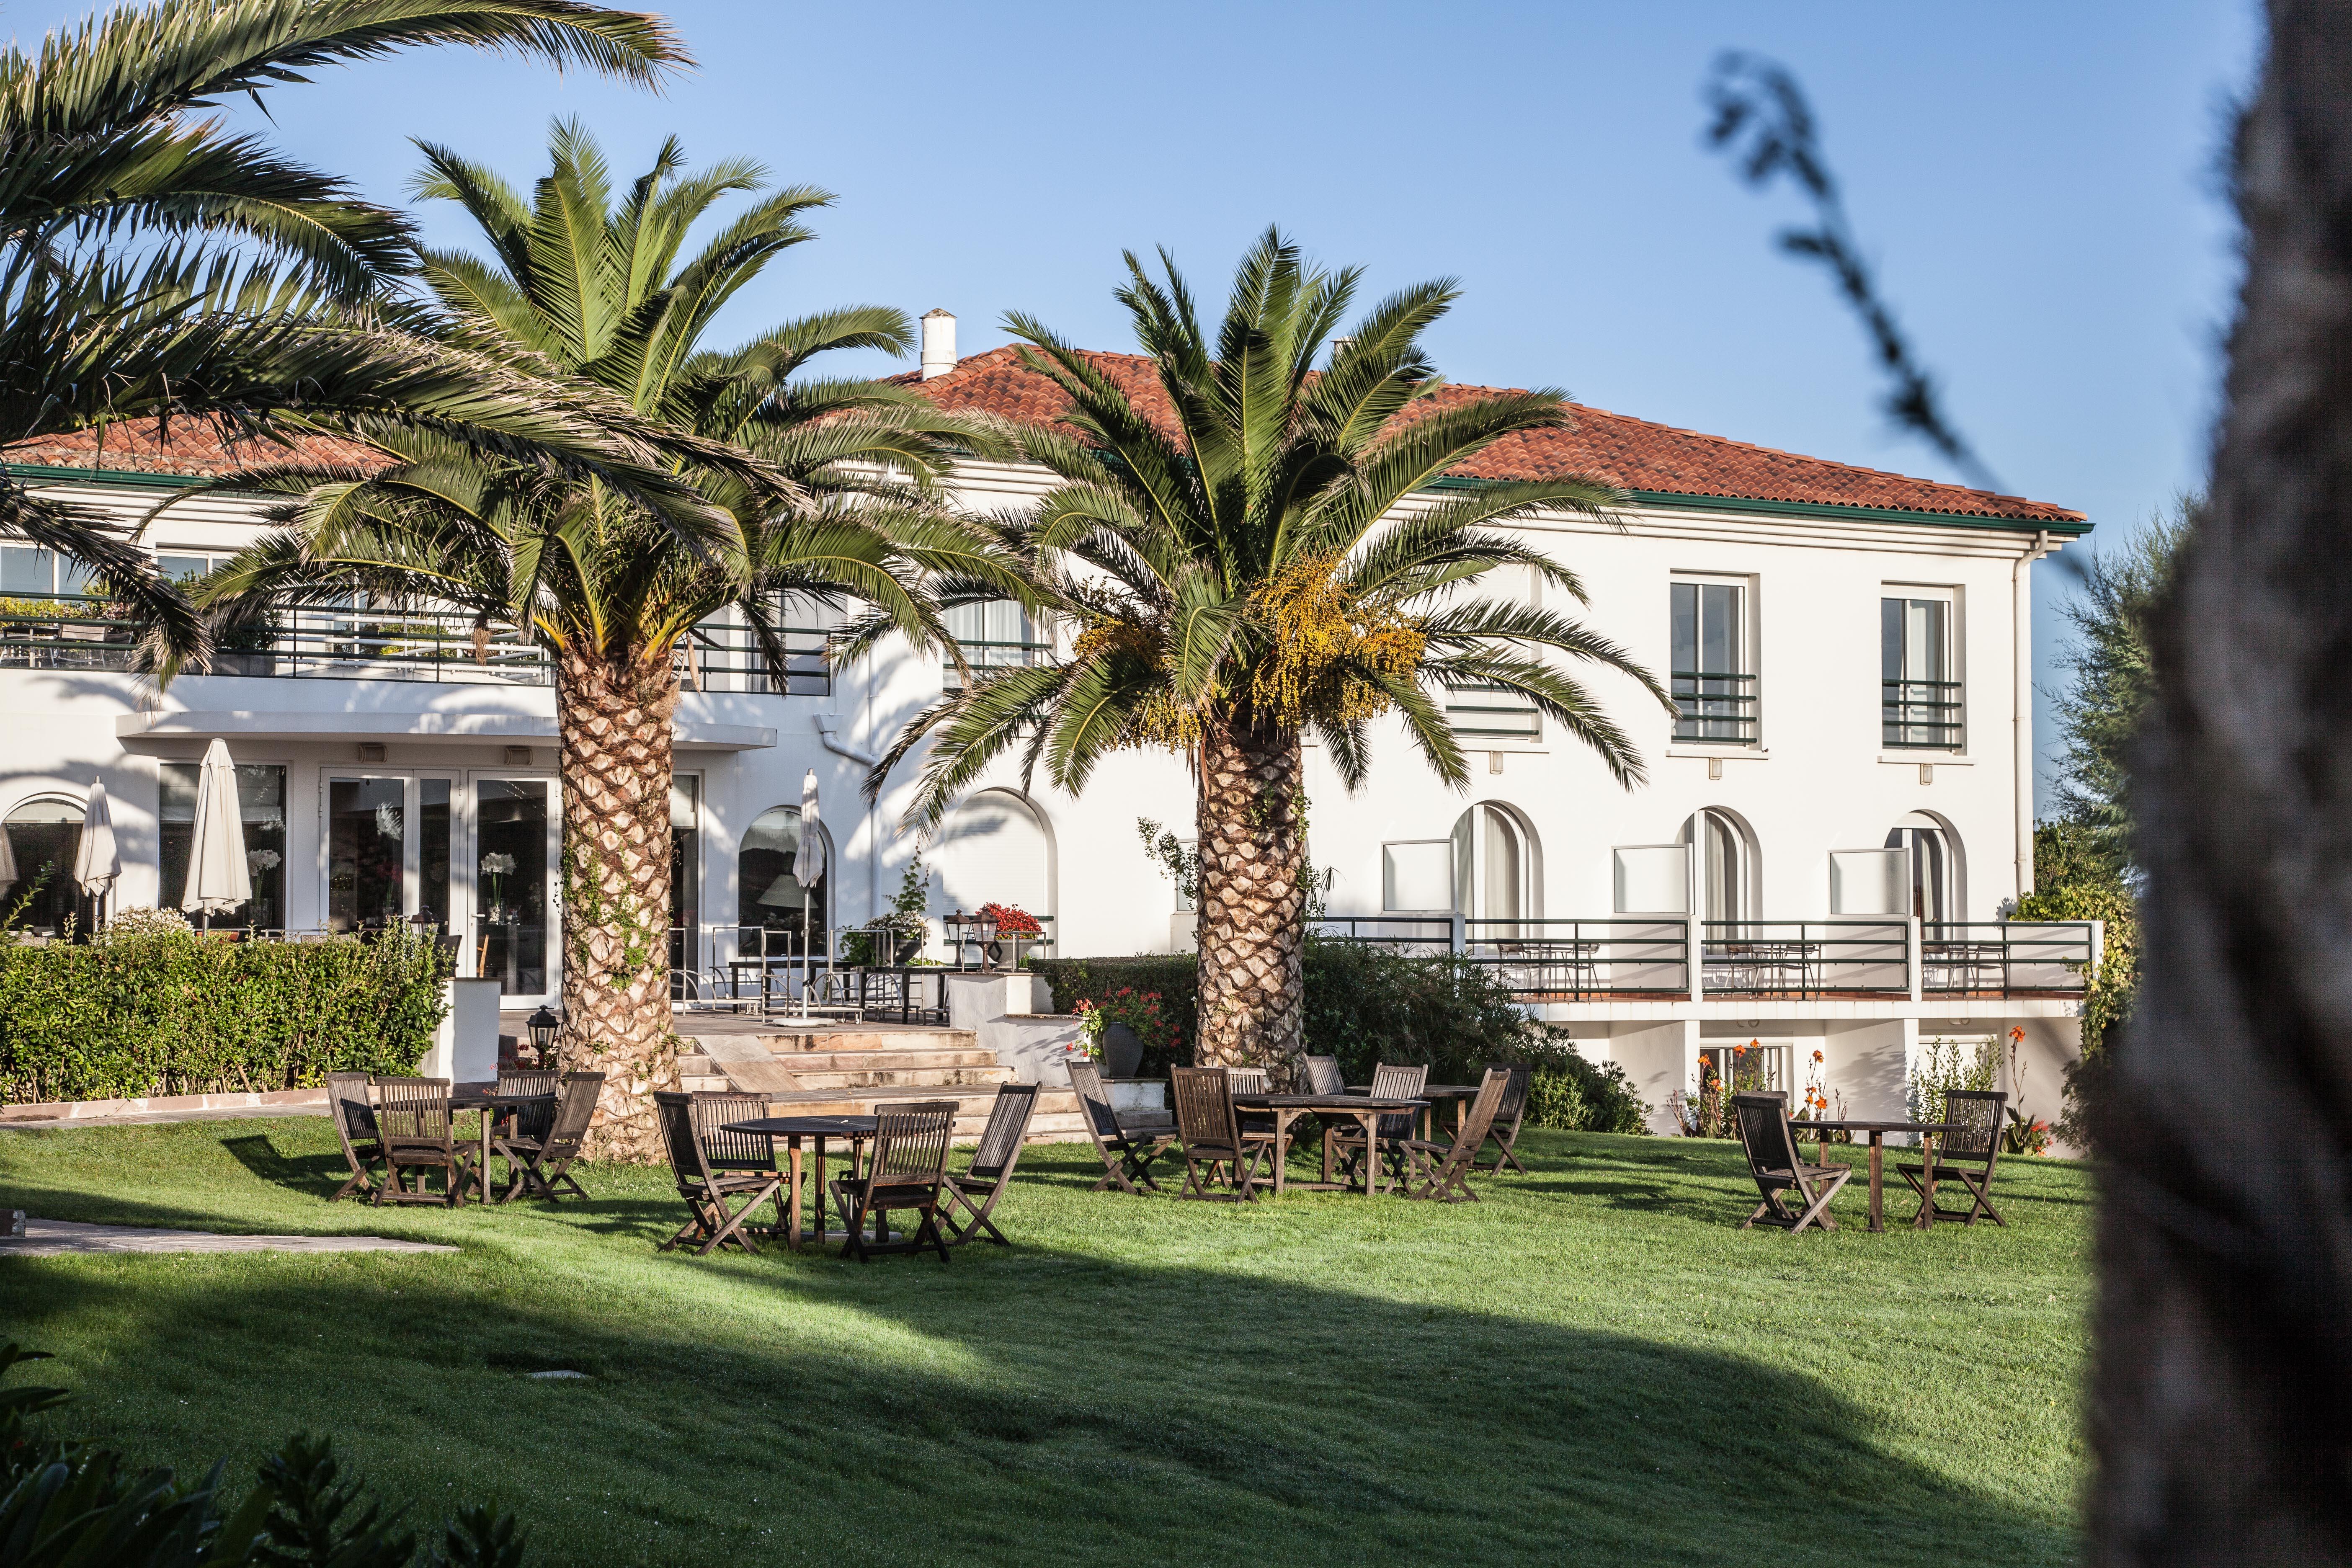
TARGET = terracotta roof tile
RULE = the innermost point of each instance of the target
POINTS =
(194, 449)
(1634, 453)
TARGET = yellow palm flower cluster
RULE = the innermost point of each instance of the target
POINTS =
(1320, 638)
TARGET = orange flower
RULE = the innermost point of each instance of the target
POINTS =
(2016, 1034)
(1817, 1056)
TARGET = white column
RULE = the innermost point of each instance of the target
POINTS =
(2021, 714)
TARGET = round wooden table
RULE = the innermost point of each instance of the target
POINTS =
(854, 1129)
(1367, 1112)
(1878, 1131)
(486, 1101)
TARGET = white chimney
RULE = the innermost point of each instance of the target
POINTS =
(939, 344)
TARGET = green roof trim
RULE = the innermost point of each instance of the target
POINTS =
(2071, 528)
(111, 479)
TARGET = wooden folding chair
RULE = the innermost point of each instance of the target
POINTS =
(1443, 1169)
(1505, 1131)
(1212, 1136)
(354, 1114)
(1126, 1152)
(908, 1168)
(707, 1191)
(1772, 1146)
(412, 1118)
(1966, 1155)
(1389, 1082)
(991, 1168)
(544, 1163)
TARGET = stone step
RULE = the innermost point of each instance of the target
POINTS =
(868, 1038)
(1056, 1119)
(888, 1077)
(803, 1063)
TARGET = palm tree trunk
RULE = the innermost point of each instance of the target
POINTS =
(2222, 1406)
(1252, 825)
(613, 724)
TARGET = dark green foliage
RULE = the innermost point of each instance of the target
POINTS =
(1366, 1004)
(69, 1504)
(2076, 877)
(178, 1013)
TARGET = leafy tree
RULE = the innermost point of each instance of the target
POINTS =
(591, 287)
(117, 300)
(1263, 560)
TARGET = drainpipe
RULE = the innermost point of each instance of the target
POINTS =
(838, 747)
(2021, 718)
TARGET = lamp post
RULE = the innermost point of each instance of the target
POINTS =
(542, 1026)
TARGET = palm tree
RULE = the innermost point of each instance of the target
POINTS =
(1260, 561)
(588, 291)
(102, 146)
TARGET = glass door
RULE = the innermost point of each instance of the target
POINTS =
(371, 853)
(515, 929)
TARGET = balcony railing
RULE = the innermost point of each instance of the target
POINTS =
(1853, 958)
(986, 657)
(1717, 709)
(1493, 713)
(1925, 713)
(66, 633)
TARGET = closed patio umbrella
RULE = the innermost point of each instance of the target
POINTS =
(219, 879)
(808, 864)
(99, 862)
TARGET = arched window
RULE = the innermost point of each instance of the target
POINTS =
(770, 895)
(1726, 854)
(1495, 865)
(44, 838)
(1936, 887)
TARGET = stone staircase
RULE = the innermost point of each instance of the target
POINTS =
(855, 1069)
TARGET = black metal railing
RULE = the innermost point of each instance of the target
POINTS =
(1581, 961)
(719, 656)
(1493, 713)
(2005, 958)
(1806, 958)
(1715, 707)
(1925, 713)
(986, 657)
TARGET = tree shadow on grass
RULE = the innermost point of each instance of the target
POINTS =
(316, 1175)
(1029, 1411)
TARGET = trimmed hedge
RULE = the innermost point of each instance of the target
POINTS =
(1366, 1004)
(179, 1012)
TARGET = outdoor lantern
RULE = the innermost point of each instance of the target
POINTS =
(541, 1029)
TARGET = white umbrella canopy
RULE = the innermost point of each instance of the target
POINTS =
(219, 879)
(808, 864)
(99, 861)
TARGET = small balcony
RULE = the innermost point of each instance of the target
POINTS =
(1717, 709)
(1922, 714)
(986, 657)
(1493, 713)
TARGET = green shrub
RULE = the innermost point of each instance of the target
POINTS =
(181, 1013)
(1367, 1004)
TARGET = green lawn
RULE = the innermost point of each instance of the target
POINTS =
(1593, 1365)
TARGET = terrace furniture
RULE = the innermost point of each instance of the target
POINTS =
(991, 1165)
(543, 1162)
(1389, 1082)
(355, 1130)
(1367, 1113)
(908, 1169)
(1257, 1126)
(1966, 1154)
(496, 1109)
(1771, 1145)
(1503, 1130)
(413, 1119)
(1443, 1169)
(530, 1121)
(707, 1189)
(1126, 1151)
(1212, 1136)
(1324, 1077)
(854, 1129)
(1877, 1132)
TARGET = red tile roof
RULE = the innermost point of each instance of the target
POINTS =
(1634, 454)
(194, 449)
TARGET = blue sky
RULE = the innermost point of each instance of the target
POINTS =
(2036, 184)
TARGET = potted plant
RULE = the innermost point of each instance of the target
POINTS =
(1014, 925)
(895, 937)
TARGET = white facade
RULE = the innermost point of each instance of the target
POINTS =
(1790, 773)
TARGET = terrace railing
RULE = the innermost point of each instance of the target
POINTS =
(1807, 958)
(2006, 958)
(1583, 961)
(1716, 709)
(1925, 713)
(985, 657)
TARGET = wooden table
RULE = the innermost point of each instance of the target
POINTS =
(1367, 1112)
(1461, 1094)
(485, 1101)
(855, 1129)
(1878, 1131)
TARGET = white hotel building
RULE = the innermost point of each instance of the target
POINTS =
(1821, 859)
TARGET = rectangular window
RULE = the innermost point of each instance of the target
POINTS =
(1918, 676)
(1756, 1067)
(995, 633)
(261, 808)
(1713, 685)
